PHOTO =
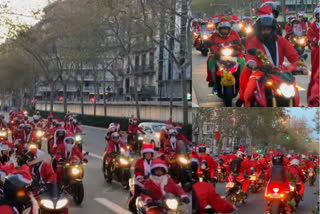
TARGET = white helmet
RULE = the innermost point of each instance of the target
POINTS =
(36, 117)
(294, 162)
(115, 136)
(288, 155)
(303, 156)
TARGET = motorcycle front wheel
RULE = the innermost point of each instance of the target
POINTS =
(227, 96)
(77, 193)
(275, 207)
(311, 181)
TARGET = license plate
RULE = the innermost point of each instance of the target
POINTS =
(253, 178)
(275, 195)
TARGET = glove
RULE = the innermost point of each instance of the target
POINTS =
(185, 200)
(149, 203)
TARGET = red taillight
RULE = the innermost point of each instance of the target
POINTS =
(200, 172)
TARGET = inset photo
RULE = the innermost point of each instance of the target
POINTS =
(258, 160)
(255, 53)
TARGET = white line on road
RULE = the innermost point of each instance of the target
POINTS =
(94, 155)
(112, 206)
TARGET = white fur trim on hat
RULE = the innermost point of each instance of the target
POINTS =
(159, 165)
(266, 15)
(147, 150)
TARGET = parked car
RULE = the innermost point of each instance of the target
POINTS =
(152, 131)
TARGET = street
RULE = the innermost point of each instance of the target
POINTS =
(202, 95)
(256, 202)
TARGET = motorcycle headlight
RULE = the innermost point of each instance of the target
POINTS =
(226, 52)
(78, 138)
(61, 203)
(248, 29)
(302, 41)
(287, 90)
(40, 133)
(124, 161)
(291, 187)
(75, 171)
(158, 135)
(47, 204)
(3, 134)
(172, 204)
(32, 146)
(205, 37)
(195, 34)
(183, 160)
(140, 138)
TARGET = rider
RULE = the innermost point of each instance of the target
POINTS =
(164, 133)
(36, 121)
(238, 169)
(58, 138)
(224, 37)
(204, 194)
(74, 127)
(159, 184)
(49, 122)
(202, 30)
(113, 127)
(181, 136)
(133, 130)
(288, 27)
(67, 151)
(313, 38)
(3, 124)
(212, 164)
(273, 46)
(171, 144)
(294, 174)
(275, 14)
(113, 148)
(142, 171)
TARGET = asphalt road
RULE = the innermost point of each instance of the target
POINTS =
(202, 94)
(256, 202)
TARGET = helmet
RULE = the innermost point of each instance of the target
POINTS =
(158, 163)
(74, 121)
(288, 155)
(303, 156)
(36, 117)
(224, 24)
(178, 128)
(294, 162)
(202, 148)
(294, 20)
(115, 136)
(135, 120)
(172, 132)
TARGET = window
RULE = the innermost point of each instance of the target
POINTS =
(151, 60)
(143, 61)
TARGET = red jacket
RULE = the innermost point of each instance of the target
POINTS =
(60, 153)
(48, 124)
(206, 195)
(47, 175)
(142, 168)
(134, 129)
(156, 193)
(74, 129)
(295, 171)
(288, 28)
(111, 147)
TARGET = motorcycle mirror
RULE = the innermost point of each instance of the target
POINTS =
(253, 51)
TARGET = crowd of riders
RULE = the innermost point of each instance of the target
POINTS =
(264, 33)
(273, 170)
(156, 181)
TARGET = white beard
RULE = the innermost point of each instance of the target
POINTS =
(173, 142)
(161, 181)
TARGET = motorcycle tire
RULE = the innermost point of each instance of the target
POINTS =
(227, 96)
(125, 178)
(105, 173)
(311, 181)
(275, 207)
(77, 193)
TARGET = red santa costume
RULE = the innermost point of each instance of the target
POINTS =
(158, 186)
(142, 168)
(283, 49)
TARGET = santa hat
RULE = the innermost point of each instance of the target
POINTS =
(24, 174)
(68, 136)
(158, 162)
(231, 156)
(215, 19)
(168, 122)
(147, 148)
(224, 21)
(255, 155)
(50, 115)
(179, 126)
(266, 2)
(235, 18)
(303, 155)
(240, 150)
(55, 136)
(265, 11)
(201, 145)
(222, 151)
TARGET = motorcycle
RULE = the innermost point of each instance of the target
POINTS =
(170, 204)
(120, 170)
(135, 142)
(73, 173)
(255, 181)
(277, 201)
(201, 44)
(276, 88)
(227, 73)
(311, 176)
(53, 203)
(179, 169)
(37, 140)
(299, 43)
(234, 191)
(5, 153)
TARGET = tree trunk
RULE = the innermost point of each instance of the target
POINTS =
(46, 101)
(81, 89)
(21, 99)
(183, 50)
(65, 98)
(104, 94)
(52, 88)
